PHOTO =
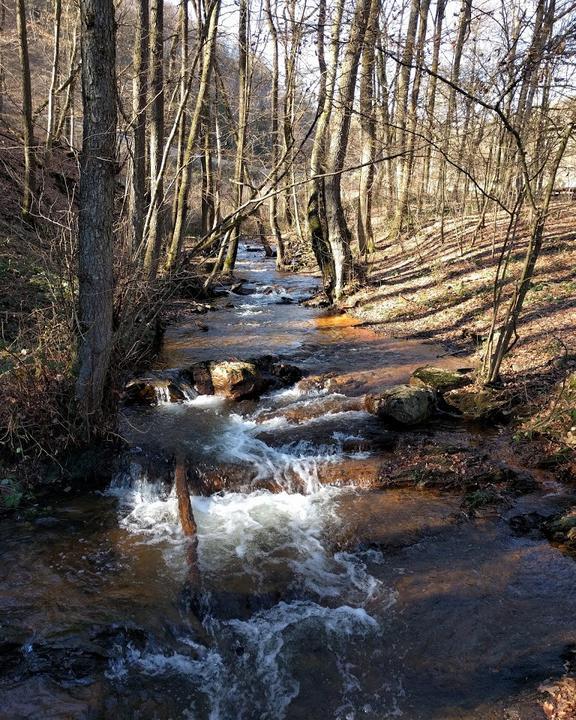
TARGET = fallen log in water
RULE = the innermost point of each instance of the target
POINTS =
(183, 495)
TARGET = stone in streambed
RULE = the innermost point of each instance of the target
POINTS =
(145, 390)
(441, 379)
(242, 379)
(236, 379)
(475, 403)
(403, 404)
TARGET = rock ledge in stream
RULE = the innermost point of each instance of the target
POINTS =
(403, 404)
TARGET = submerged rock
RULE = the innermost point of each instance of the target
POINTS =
(441, 379)
(402, 403)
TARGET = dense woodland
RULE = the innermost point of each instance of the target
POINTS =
(145, 139)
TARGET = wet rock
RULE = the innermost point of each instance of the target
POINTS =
(242, 379)
(522, 483)
(403, 404)
(333, 432)
(303, 412)
(285, 301)
(317, 301)
(236, 379)
(276, 373)
(239, 288)
(530, 524)
(230, 605)
(562, 529)
(148, 390)
(359, 472)
(476, 403)
(560, 701)
(441, 379)
(200, 378)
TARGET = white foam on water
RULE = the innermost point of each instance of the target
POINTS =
(162, 394)
(248, 672)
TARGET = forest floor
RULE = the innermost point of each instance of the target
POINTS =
(442, 290)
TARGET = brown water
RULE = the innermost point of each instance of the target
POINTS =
(330, 602)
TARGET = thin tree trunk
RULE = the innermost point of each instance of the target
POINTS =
(213, 14)
(243, 109)
(139, 100)
(156, 141)
(274, 219)
(368, 134)
(96, 203)
(29, 160)
(55, 71)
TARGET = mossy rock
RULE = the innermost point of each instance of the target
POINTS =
(476, 403)
(562, 529)
(403, 404)
(441, 379)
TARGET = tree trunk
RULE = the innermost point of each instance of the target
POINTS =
(96, 203)
(156, 224)
(213, 14)
(139, 99)
(274, 219)
(368, 134)
(54, 74)
(29, 160)
(336, 225)
(243, 109)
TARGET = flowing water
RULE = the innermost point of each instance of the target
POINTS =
(314, 601)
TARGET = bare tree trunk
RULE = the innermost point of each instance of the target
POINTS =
(207, 168)
(274, 220)
(213, 14)
(183, 25)
(407, 162)
(336, 225)
(155, 226)
(431, 90)
(243, 109)
(139, 100)
(368, 134)
(96, 203)
(73, 68)
(316, 201)
(29, 160)
(2, 72)
(55, 71)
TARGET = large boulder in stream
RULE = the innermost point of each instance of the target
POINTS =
(236, 379)
(243, 379)
(402, 404)
(441, 379)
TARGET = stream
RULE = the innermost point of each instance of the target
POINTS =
(319, 600)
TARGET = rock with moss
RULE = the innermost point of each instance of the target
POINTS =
(441, 379)
(475, 403)
(403, 404)
(562, 529)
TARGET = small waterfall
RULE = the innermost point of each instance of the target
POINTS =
(162, 393)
